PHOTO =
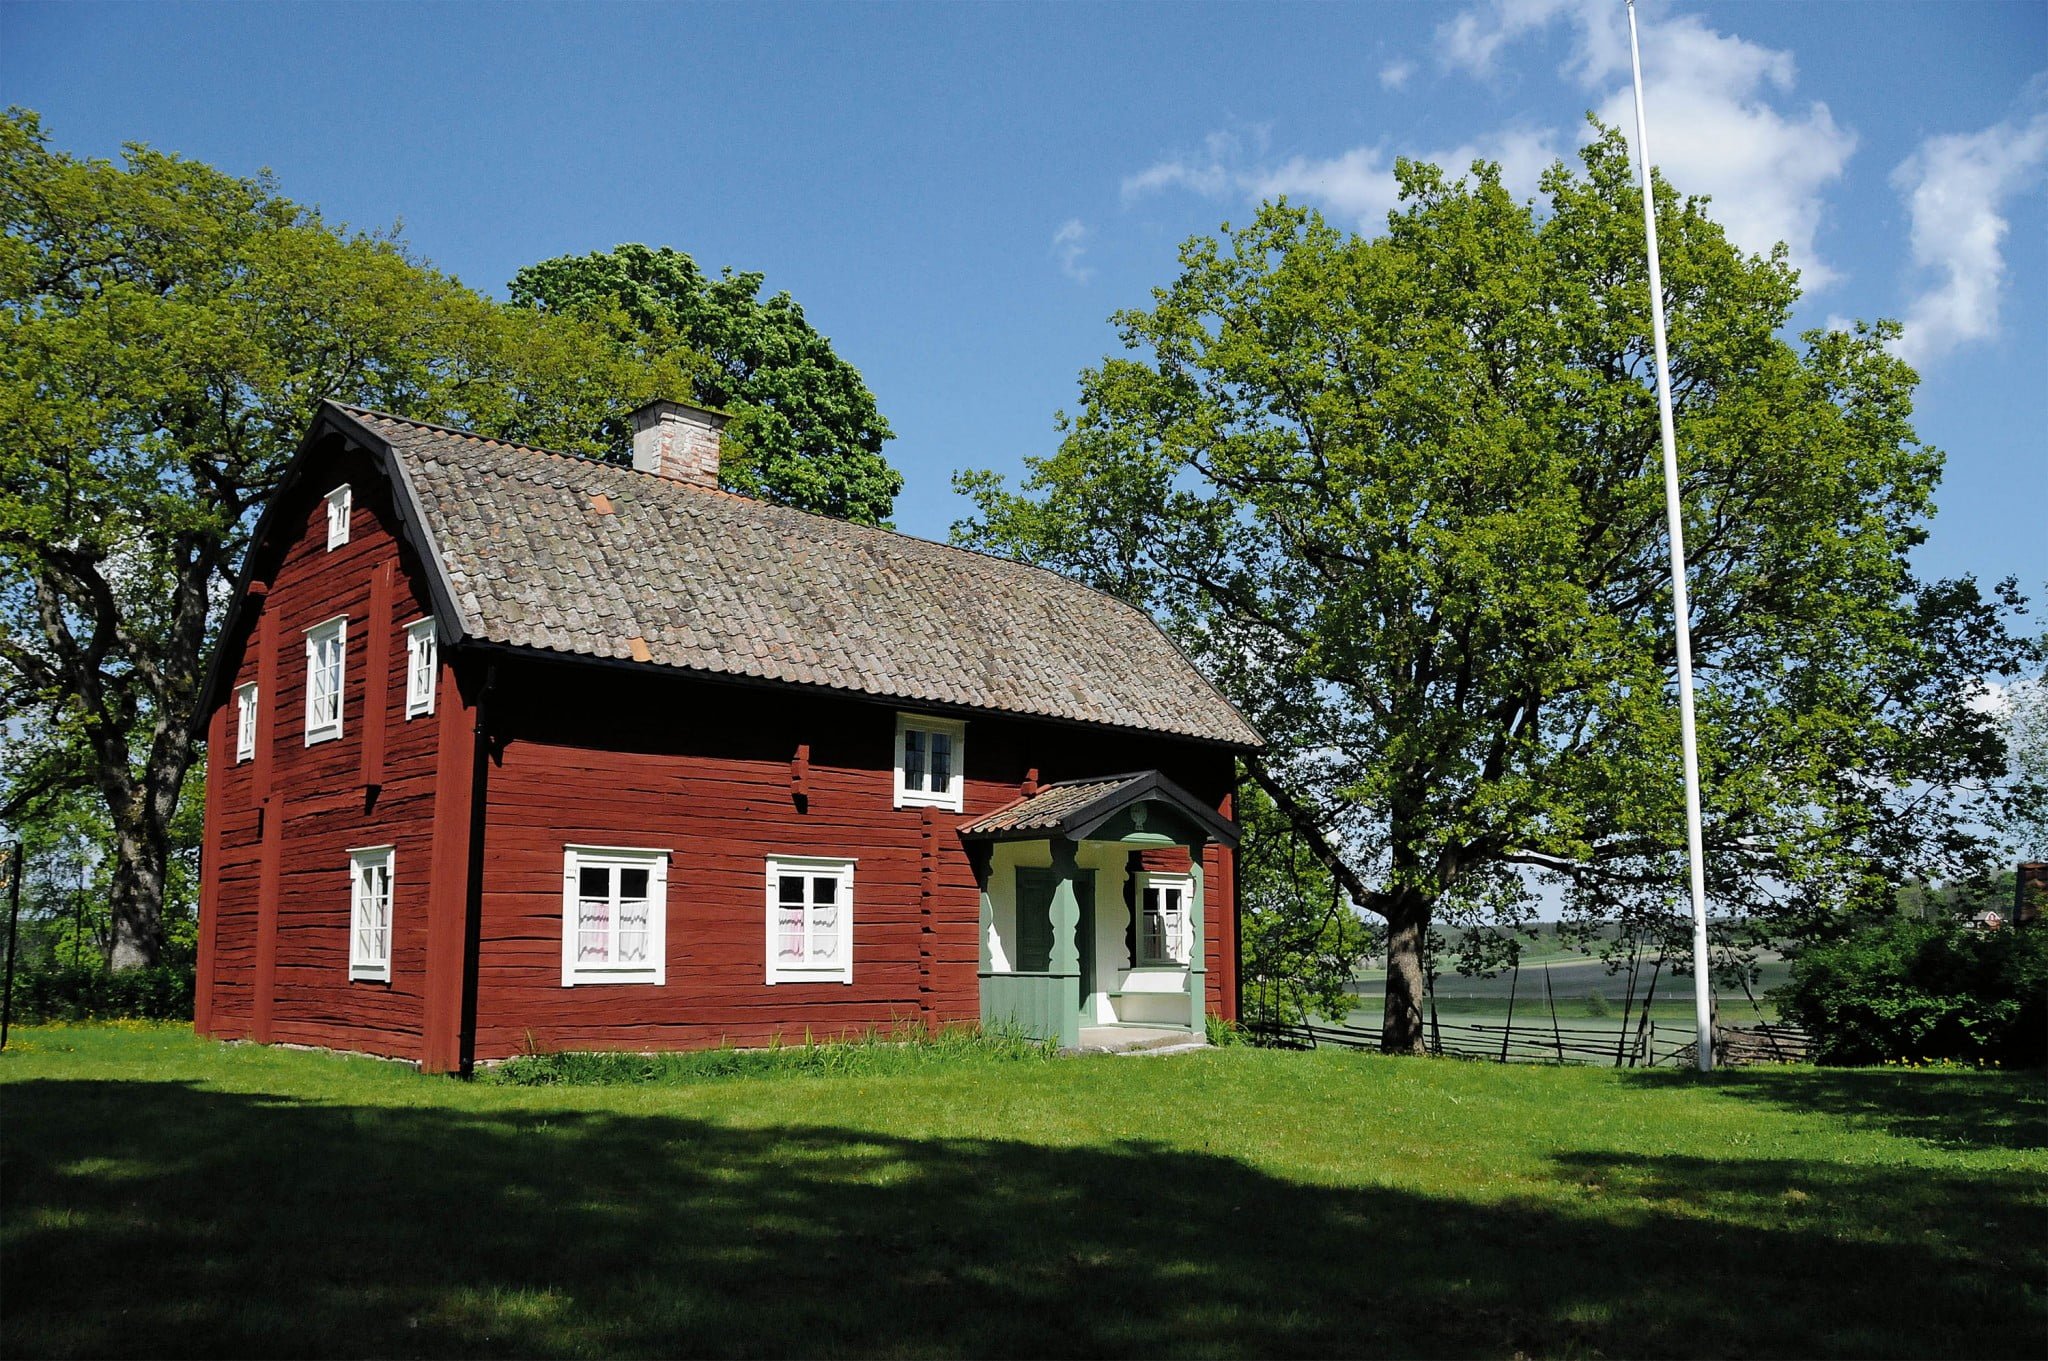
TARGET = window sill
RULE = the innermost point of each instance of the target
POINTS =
(585, 980)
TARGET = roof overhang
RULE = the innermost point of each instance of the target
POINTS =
(1140, 808)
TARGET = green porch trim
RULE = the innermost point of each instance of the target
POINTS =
(1041, 1005)
(1198, 969)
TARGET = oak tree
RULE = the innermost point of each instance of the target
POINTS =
(166, 332)
(1401, 495)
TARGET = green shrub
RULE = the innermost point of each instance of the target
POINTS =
(66, 992)
(1907, 989)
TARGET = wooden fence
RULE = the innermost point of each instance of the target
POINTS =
(1641, 1046)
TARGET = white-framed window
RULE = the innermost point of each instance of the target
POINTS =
(614, 915)
(1163, 919)
(369, 918)
(340, 502)
(245, 721)
(422, 656)
(810, 920)
(326, 646)
(929, 761)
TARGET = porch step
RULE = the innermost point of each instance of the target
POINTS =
(1135, 1039)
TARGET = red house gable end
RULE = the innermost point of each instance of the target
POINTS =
(280, 824)
(532, 751)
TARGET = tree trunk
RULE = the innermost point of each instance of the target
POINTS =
(1401, 1030)
(136, 898)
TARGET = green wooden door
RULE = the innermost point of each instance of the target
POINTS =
(1034, 924)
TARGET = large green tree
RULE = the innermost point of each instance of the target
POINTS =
(1401, 495)
(805, 431)
(166, 332)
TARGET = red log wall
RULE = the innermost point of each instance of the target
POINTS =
(273, 950)
(711, 773)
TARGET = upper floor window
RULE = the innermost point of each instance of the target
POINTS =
(928, 761)
(326, 646)
(369, 940)
(810, 920)
(245, 721)
(1162, 919)
(339, 503)
(614, 915)
(421, 658)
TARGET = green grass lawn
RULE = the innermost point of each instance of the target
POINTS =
(167, 1196)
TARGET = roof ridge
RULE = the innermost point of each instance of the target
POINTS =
(587, 461)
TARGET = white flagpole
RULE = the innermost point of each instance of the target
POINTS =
(1681, 612)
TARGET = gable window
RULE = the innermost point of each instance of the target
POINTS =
(614, 915)
(1162, 919)
(929, 761)
(810, 920)
(326, 645)
(339, 503)
(245, 721)
(421, 658)
(369, 937)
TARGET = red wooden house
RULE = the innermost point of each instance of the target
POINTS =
(512, 749)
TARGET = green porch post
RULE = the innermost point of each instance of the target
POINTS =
(1065, 965)
(1198, 969)
(981, 858)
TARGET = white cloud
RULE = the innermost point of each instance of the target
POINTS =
(1955, 188)
(1069, 243)
(1357, 185)
(1209, 172)
(1394, 75)
(1716, 122)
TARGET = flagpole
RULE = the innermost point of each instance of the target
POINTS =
(1681, 610)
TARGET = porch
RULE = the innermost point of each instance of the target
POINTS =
(1092, 910)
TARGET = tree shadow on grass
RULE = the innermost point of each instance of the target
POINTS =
(152, 1218)
(1948, 1109)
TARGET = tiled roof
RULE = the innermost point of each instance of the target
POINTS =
(568, 555)
(1048, 808)
(1077, 808)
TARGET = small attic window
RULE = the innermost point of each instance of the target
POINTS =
(339, 503)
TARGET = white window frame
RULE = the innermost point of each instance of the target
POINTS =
(321, 727)
(246, 701)
(422, 656)
(340, 502)
(921, 795)
(653, 968)
(1177, 934)
(839, 967)
(365, 963)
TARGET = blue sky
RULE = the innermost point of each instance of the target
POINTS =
(960, 195)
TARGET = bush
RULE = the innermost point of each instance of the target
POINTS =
(1907, 989)
(66, 992)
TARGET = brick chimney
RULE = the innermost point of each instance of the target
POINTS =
(678, 441)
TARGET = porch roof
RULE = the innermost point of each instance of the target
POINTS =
(1076, 808)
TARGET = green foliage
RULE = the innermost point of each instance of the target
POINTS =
(166, 333)
(805, 430)
(1402, 497)
(1914, 989)
(52, 991)
(906, 1049)
(1595, 1003)
(1301, 940)
(1221, 1034)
